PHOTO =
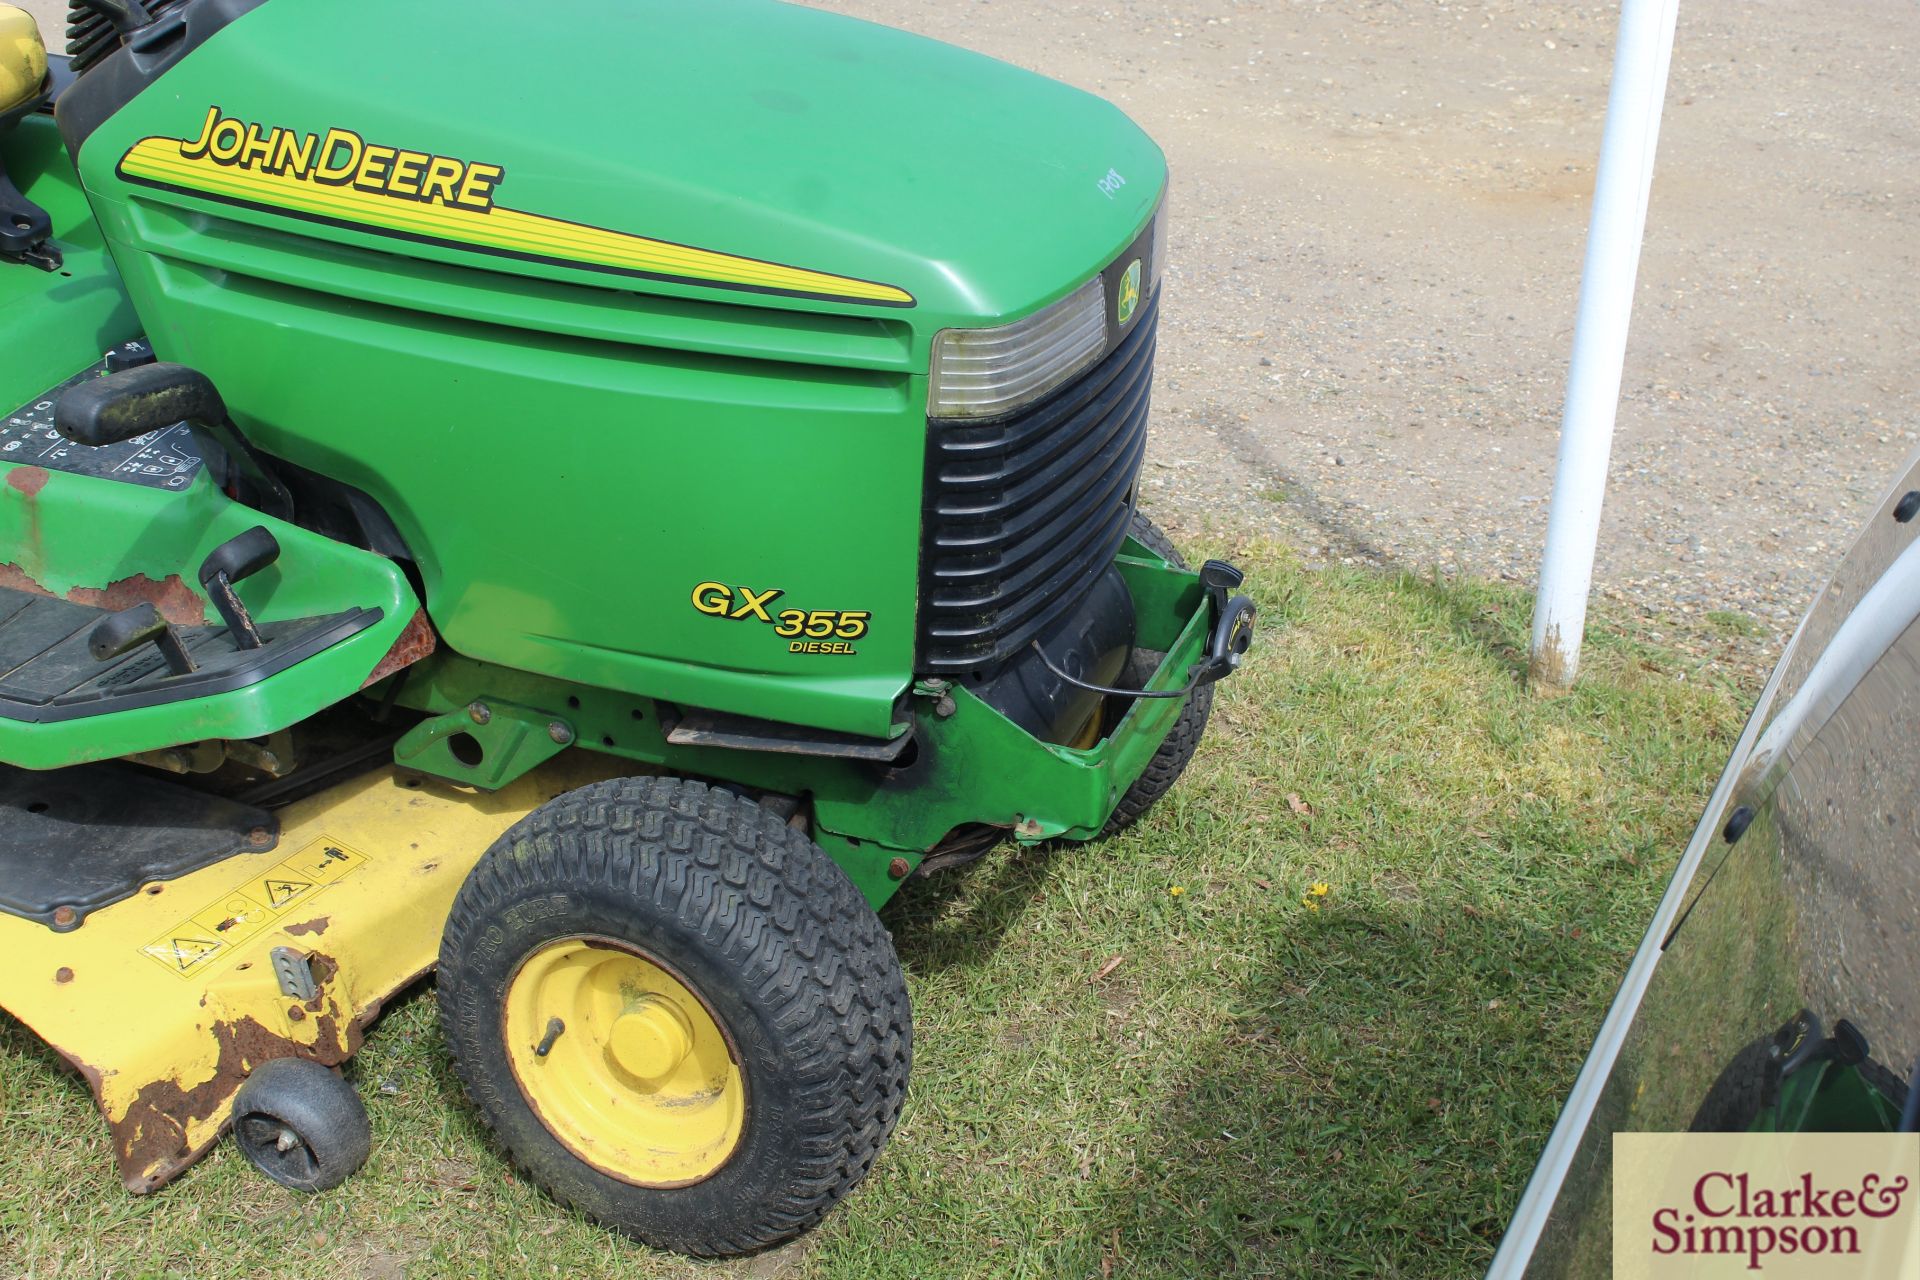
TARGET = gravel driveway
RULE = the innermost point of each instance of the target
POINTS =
(1380, 210)
(1379, 216)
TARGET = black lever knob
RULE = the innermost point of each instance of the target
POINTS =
(132, 402)
(1218, 575)
(120, 632)
(236, 559)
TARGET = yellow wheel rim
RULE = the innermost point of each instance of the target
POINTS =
(636, 1077)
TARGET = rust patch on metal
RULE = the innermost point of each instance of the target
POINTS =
(14, 578)
(316, 927)
(323, 967)
(63, 975)
(170, 595)
(415, 641)
(338, 1037)
(28, 480)
(150, 1141)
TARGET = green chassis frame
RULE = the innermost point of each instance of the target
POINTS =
(973, 764)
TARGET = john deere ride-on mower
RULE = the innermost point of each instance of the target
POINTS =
(592, 502)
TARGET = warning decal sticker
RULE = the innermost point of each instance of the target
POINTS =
(192, 945)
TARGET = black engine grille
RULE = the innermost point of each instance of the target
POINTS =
(91, 36)
(1022, 515)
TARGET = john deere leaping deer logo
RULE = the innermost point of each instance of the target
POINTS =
(1129, 293)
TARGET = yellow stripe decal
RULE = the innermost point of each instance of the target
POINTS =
(371, 200)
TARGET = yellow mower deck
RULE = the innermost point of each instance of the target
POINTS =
(167, 1000)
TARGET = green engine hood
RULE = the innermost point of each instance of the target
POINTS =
(725, 149)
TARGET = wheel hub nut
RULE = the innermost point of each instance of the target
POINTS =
(650, 1039)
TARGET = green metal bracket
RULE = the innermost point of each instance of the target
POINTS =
(485, 744)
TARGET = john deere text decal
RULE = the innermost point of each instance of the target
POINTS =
(339, 177)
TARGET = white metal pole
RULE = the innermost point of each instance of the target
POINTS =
(1620, 191)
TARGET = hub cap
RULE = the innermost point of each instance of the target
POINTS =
(623, 1062)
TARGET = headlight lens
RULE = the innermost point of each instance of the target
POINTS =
(981, 373)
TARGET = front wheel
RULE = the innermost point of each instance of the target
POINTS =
(677, 1014)
(1176, 751)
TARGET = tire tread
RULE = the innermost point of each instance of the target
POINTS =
(786, 918)
(1177, 749)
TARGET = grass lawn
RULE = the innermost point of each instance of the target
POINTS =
(1164, 1055)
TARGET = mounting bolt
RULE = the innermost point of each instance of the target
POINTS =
(63, 974)
(296, 1014)
(945, 707)
(260, 836)
(898, 868)
(479, 712)
(64, 917)
(560, 732)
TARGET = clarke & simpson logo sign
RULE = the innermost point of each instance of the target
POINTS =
(1819, 1205)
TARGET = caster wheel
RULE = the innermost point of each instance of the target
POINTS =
(677, 1014)
(301, 1124)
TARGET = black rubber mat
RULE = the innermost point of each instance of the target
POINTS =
(75, 840)
(47, 673)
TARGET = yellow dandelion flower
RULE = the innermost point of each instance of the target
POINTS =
(1320, 889)
(1177, 890)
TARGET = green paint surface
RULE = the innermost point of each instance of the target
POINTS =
(55, 323)
(76, 531)
(569, 453)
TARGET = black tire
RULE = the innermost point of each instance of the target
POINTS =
(773, 937)
(1745, 1087)
(301, 1124)
(1170, 761)
(1750, 1084)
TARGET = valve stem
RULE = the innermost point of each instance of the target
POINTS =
(554, 1028)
